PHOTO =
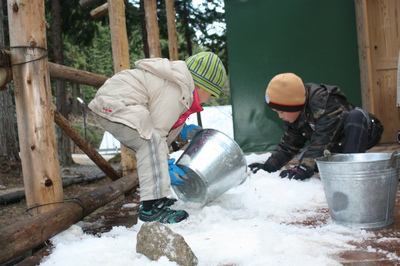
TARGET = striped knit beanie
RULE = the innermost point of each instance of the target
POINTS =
(207, 71)
(286, 92)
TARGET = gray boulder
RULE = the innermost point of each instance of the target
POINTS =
(156, 240)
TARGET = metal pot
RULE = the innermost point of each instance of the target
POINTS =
(360, 188)
(213, 163)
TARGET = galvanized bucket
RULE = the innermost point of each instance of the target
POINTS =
(213, 163)
(360, 188)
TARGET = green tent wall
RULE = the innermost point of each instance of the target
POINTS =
(315, 39)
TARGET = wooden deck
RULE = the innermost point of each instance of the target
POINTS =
(372, 251)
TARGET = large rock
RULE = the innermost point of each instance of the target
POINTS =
(156, 240)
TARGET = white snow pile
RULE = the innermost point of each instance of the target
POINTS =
(256, 223)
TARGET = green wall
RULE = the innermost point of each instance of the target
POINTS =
(315, 39)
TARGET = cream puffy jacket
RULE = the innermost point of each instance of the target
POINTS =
(151, 97)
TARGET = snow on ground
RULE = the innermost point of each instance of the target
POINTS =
(252, 224)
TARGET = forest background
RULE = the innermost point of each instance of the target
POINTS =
(76, 40)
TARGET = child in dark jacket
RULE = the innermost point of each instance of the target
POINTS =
(320, 114)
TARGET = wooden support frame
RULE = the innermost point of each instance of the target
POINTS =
(82, 77)
(34, 106)
(120, 51)
(86, 3)
(85, 146)
(22, 236)
(57, 71)
(100, 11)
(73, 75)
(378, 30)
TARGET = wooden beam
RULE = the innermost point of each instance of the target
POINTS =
(34, 106)
(100, 11)
(120, 51)
(73, 75)
(57, 71)
(85, 146)
(86, 3)
(172, 36)
(19, 195)
(153, 35)
(25, 235)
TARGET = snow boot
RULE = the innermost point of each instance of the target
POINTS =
(160, 212)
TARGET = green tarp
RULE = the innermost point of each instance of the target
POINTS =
(315, 39)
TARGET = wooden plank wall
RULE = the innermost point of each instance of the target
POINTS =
(378, 28)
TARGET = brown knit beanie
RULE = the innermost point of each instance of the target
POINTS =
(286, 92)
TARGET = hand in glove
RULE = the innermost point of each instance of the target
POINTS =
(185, 130)
(300, 172)
(254, 167)
(174, 169)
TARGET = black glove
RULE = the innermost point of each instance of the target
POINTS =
(300, 172)
(254, 167)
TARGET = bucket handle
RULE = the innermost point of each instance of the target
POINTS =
(327, 153)
(394, 160)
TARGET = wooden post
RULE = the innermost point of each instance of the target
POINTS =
(34, 106)
(25, 235)
(120, 51)
(172, 36)
(364, 55)
(153, 35)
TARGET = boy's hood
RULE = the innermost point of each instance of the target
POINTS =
(175, 71)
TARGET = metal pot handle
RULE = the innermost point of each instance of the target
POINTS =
(327, 153)
(394, 160)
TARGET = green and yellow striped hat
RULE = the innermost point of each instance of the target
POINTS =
(207, 71)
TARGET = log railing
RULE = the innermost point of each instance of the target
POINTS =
(25, 235)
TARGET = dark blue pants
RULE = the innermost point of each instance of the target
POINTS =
(360, 132)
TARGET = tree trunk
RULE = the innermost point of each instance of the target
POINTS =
(33, 102)
(64, 143)
(8, 139)
(153, 34)
(144, 30)
(187, 28)
(172, 36)
(75, 94)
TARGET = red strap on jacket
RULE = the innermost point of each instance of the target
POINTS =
(195, 108)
